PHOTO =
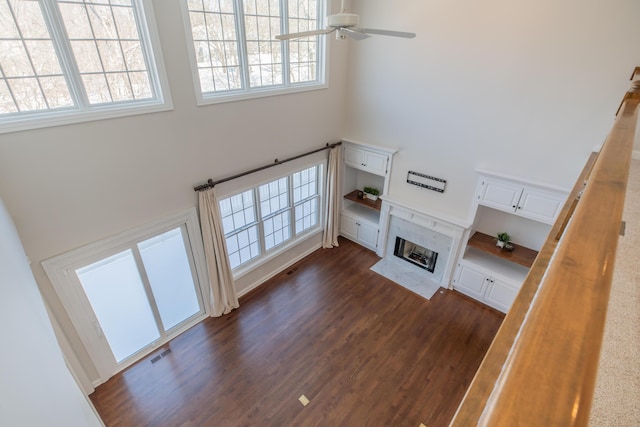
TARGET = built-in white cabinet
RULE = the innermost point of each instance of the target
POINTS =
(528, 201)
(366, 159)
(365, 165)
(486, 285)
(523, 209)
(359, 230)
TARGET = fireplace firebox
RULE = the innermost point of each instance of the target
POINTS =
(415, 254)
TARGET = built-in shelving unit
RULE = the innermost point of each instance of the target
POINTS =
(365, 165)
(525, 210)
(520, 254)
(353, 196)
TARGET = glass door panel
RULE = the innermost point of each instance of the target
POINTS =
(170, 276)
(118, 298)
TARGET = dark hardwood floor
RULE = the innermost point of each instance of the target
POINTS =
(365, 351)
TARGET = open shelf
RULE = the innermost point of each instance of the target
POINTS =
(493, 265)
(353, 196)
(520, 254)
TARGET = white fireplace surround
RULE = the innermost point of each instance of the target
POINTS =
(437, 234)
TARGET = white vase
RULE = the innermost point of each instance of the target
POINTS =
(371, 197)
(500, 243)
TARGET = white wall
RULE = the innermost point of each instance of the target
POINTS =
(68, 186)
(37, 388)
(526, 88)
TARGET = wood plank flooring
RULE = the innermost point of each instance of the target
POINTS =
(363, 350)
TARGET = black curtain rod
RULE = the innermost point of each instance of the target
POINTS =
(211, 183)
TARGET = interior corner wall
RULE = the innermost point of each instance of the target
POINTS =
(71, 185)
(525, 88)
(37, 388)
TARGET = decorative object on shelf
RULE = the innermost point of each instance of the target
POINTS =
(502, 239)
(360, 194)
(371, 193)
(426, 181)
(508, 247)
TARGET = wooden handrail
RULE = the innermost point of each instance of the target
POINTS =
(541, 368)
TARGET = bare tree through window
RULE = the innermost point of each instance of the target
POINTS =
(73, 54)
(235, 46)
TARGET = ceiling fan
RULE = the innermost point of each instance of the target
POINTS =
(345, 24)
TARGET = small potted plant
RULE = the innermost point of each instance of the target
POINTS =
(503, 239)
(371, 193)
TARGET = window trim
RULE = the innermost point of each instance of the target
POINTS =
(84, 113)
(266, 256)
(260, 92)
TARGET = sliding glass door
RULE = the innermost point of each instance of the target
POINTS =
(120, 303)
(127, 296)
(140, 294)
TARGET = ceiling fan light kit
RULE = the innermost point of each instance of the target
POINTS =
(343, 20)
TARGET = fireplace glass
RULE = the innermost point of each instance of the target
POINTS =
(415, 254)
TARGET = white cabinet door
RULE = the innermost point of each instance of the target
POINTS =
(368, 235)
(540, 205)
(349, 227)
(369, 161)
(485, 287)
(471, 282)
(500, 294)
(359, 231)
(375, 163)
(529, 202)
(354, 157)
(500, 195)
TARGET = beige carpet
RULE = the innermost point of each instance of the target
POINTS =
(616, 401)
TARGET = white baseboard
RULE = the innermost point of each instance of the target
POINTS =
(278, 270)
(635, 155)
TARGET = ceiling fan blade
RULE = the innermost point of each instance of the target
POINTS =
(387, 33)
(304, 34)
(355, 33)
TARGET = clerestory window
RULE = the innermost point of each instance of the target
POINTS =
(63, 61)
(234, 52)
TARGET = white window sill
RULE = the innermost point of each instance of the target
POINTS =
(242, 95)
(70, 116)
(263, 259)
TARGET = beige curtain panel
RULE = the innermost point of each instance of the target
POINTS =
(223, 289)
(334, 194)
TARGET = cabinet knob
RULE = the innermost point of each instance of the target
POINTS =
(514, 206)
